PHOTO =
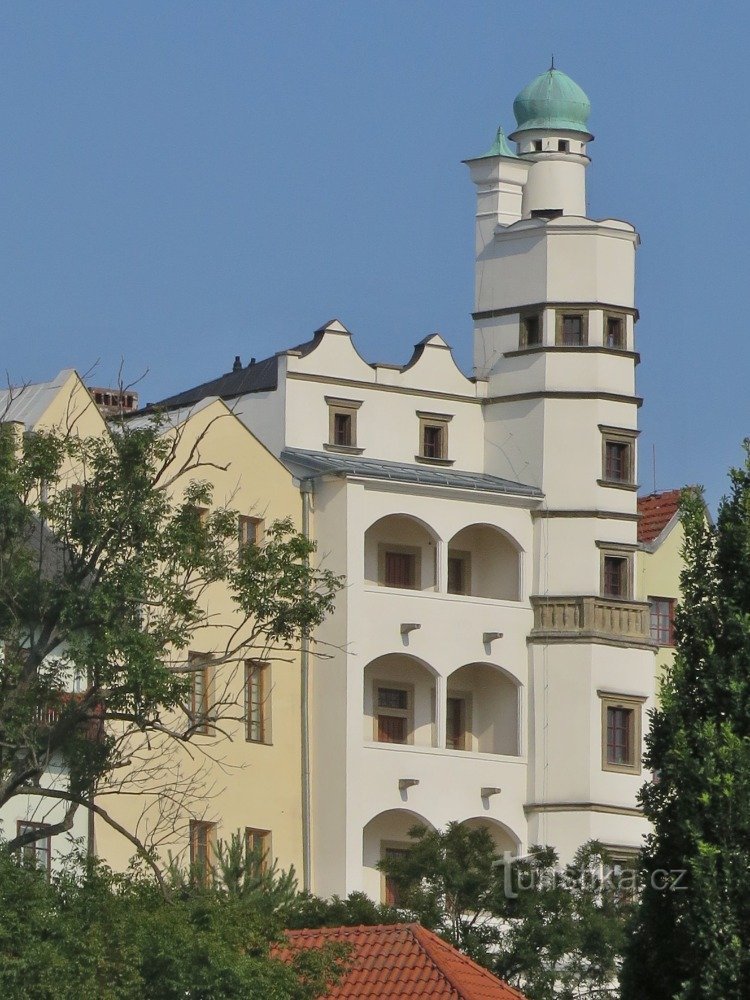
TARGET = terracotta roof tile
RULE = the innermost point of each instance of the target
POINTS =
(402, 962)
(656, 510)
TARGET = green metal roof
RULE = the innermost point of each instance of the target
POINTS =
(553, 101)
(499, 147)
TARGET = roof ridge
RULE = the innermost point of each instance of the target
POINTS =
(428, 940)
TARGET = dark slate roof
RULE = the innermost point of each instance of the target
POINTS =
(260, 376)
(326, 463)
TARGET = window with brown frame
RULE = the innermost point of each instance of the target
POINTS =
(618, 457)
(250, 530)
(391, 896)
(202, 849)
(433, 436)
(531, 330)
(614, 331)
(400, 569)
(258, 701)
(455, 723)
(258, 847)
(392, 714)
(615, 574)
(662, 620)
(37, 852)
(201, 693)
(571, 329)
(621, 732)
(342, 424)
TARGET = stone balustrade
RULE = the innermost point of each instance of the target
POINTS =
(591, 619)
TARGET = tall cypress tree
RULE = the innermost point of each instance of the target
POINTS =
(691, 937)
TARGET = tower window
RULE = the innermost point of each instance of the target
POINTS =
(531, 330)
(621, 732)
(616, 576)
(563, 146)
(618, 457)
(537, 145)
(614, 332)
(571, 329)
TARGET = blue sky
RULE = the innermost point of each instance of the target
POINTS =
(183, 182)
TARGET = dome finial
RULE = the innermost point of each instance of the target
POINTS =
(552, 64)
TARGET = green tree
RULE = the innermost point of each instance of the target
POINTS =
(92, 935)
(553, 932)
(691, 938)
(106, 557)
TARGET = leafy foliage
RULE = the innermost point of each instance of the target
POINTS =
(691, 934)
(93, 935)
(109, 547)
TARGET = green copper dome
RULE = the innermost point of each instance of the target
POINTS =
(553, 101)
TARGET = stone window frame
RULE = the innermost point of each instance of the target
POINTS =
(623, 318)
(619, 435)
(248, 525)
(203, 719)
(266, 841)
(441, 420)
(400, 713)
(349, 407)
(261, 669)
(560, 315)
(617, 550)
(523, 338)
(633, 703)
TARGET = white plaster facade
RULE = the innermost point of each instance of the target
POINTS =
(536, 645)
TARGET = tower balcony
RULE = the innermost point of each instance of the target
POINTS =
(591, 619)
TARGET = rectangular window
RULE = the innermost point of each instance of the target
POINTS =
(616, 461)
(621, 732)
(258, 701)
(250, 530)
(563, 146)
(393, 714)
(432, 441)
(390, 888)
(202, 849)
(614, 332)
(201, 693)
(38, 852)
(571, 328)
(342, 429)
(531, 330)
(342, 423)
(458, 573)
(455, 724)
(537, 145)
(400, 570)
(433, 436)
(616, 582)
(258, 846)
(662, 620)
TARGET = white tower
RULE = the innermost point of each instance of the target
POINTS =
(554, 324)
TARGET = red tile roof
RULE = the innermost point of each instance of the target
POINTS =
(402, 962)
(656, 510)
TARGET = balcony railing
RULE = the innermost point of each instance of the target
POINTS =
(591, 619)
